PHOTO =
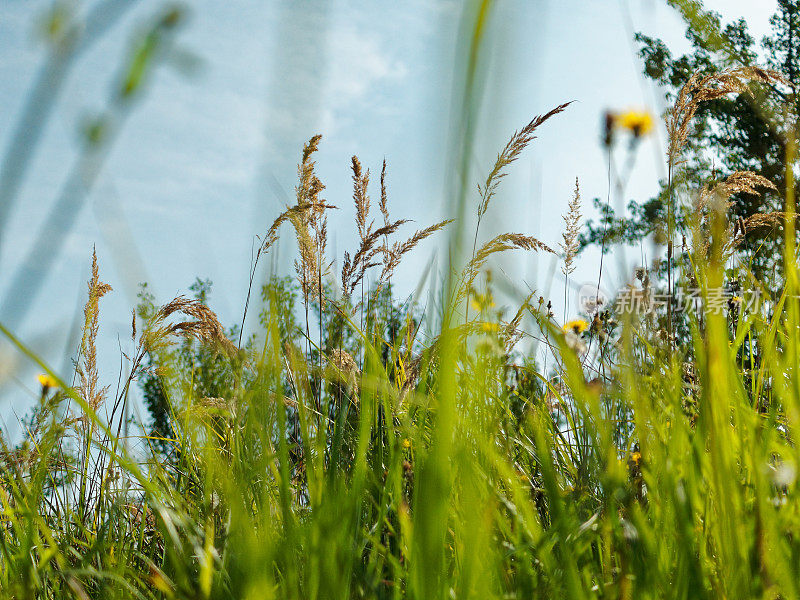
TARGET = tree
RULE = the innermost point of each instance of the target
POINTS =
(201, 371)
(732, 133)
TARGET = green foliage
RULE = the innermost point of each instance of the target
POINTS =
(731, 133)
(643, 220)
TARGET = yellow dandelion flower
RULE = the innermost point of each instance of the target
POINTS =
(736, 300)
(576, 326)
(636, 457)
(637, 122)
(47, 382)
(490, 327)
(406, 443)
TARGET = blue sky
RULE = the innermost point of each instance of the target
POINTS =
(202, 163)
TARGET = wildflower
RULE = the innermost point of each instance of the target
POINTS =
(47, 382)
(490, 327)
(637, 122)
(574, 342)
(479, 302)
(406, 443)
(784, 474)
(577, 326)
(636, 457)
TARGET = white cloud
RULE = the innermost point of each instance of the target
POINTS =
(358, 65)
(325, 70)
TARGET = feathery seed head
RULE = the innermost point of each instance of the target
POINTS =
(570, 236)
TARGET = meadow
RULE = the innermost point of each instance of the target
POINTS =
(362, 445)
